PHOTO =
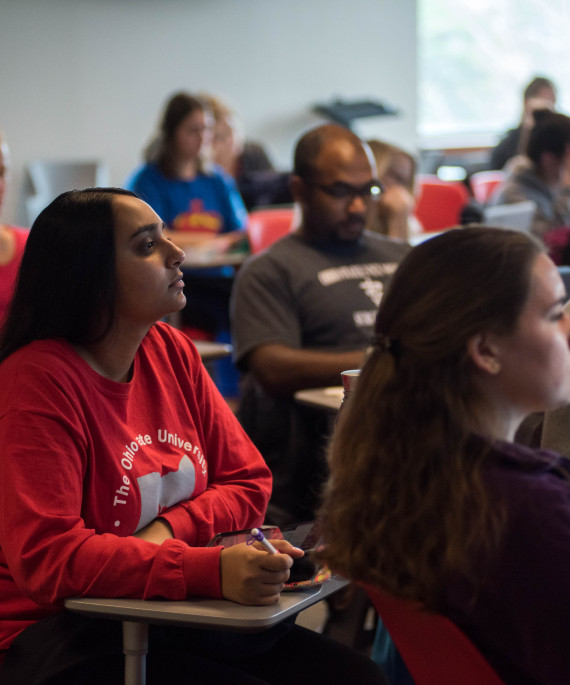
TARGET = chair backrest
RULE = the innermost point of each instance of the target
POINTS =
(49, 178)
(265, 226)
(483, 183)
(433, 648)
(440, 203)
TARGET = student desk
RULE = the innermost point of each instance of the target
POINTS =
(328, 399)
(206, 260)
(214, 614)
(209, 351)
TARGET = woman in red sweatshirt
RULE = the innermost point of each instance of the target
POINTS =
(120, 460)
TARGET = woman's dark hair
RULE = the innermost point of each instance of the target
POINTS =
(538, 84)
(406, 505)
(162, 149)
(66, 284)
(550, 133)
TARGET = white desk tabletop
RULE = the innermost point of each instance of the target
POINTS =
(216, 614)
(209, 351)
(324, 398)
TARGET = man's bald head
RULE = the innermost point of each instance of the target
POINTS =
(311, 144)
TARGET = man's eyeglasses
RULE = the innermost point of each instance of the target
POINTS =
(370, 192)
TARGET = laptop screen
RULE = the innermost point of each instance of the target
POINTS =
(517, 216)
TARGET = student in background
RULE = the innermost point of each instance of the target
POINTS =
(12, 240)
(303, 311)
(198, 202)
(202, 209)
(543, 176)
(394, 215)
(120, 460)
(230, 150)
(258, 182)
(471, 337)
(540, 93)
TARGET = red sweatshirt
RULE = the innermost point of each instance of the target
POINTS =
(85, 462)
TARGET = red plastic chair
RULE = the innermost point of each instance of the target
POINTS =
(197, 333)
(433, 648)
(440, 203)
(265, 226)
(483, 183)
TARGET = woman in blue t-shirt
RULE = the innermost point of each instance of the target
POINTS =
(203, 211)
(197, 201)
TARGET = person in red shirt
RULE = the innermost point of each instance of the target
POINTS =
(12, 240)
(120, 461)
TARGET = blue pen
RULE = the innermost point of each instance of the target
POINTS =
(256, 534)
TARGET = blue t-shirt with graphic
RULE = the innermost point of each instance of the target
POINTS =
(209, 203)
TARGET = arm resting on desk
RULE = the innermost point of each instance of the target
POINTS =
(282, 370)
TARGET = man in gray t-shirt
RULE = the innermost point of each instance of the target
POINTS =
(304, 310)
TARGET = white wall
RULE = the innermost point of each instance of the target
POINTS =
(88, 78)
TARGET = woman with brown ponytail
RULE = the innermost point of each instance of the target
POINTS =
(429, 498)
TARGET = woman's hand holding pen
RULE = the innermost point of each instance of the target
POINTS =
(251, 575)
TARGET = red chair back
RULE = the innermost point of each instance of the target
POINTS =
(440, 203)
(265, 226)
(197, 333)
(433, 648)
(483, 183)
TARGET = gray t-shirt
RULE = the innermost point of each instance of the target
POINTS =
(304, 296)
(552, 205)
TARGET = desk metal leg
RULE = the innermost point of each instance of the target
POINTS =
(135, 649)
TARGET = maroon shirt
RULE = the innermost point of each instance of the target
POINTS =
(520, 619)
